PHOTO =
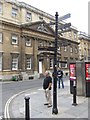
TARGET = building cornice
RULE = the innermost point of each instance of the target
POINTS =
(84, 36)
(29, 7)
(36, 10)
(9, 23)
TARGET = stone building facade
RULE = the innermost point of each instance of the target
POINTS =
(84, 46)
(24, 31)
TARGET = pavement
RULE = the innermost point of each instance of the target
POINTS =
(39, 110)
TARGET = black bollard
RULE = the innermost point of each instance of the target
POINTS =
(74, 96)
(27, 114)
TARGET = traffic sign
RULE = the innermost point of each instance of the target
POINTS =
(64, 17)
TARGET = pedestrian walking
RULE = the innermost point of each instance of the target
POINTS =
(47, 86)
(60, 78)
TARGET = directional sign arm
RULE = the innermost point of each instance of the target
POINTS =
(64, 17)
(64, 26)
(63, 31)
(51, 23)
(46, 48)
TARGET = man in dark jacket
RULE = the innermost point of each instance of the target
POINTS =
(47, 86)
(60, 77)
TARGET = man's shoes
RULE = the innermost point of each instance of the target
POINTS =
(49, 106)
(45, 103)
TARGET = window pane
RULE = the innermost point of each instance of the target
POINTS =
(28, 64)
(41, 43)
(64, 65)
(0, 8)
(14, 12)
(65, 49)
(71, 49)
(69, 34)
(40, 17)
(76, 50)
(14, 63)
(14, 39)
(28, 16)
(28, 42)
(75, 35)
(0, 62)
(0, 37)
(51, 63)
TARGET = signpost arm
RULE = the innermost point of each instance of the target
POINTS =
(64, 17)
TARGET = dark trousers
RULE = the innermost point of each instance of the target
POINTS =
(60, 79)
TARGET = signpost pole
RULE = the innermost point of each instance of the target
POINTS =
(54, 109)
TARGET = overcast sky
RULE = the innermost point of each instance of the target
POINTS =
(77, 8)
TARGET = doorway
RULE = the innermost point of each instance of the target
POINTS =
(40, 67)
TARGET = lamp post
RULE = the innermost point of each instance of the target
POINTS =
(54, 109)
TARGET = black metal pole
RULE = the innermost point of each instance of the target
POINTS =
(27, 114)
(54, 109)
(74, 96)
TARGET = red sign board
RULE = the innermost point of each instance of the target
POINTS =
(87, 68)
(72, 72)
